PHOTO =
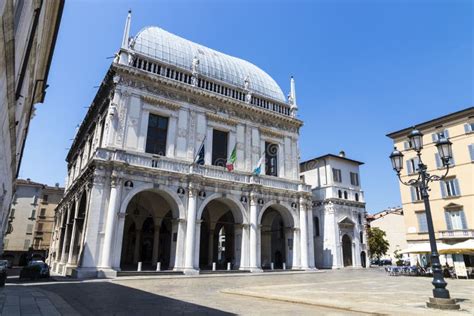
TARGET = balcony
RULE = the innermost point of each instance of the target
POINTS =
(329, 192)
(211, 172)
(453, 234)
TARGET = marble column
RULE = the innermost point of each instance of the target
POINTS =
(190, 231)
(66, 232)
(110, 222)
(197, 243)
(303, 234)
(156, 244)
(311, 262)
(73, 234)
(253, 232)
(136, 252)
(211, 246)
(244, 254)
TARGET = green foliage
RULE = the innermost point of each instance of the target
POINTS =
(378, 245)
(398, 256)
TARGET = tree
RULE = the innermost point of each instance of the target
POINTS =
(378, 245)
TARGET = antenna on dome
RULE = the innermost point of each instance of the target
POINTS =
(126, 31)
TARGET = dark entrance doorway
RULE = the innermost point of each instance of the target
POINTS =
(362, 259)
(347, 251)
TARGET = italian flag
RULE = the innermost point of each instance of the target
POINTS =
(232, 159)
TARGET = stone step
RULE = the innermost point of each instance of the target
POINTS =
(443, 303)
(147, 273)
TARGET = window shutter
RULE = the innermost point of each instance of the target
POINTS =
(456, 186)
(438, 161)
(434, 136)
(405, 145)
(447, 216)
(451, 161)
(443, 188)
(416, 161)
(463, 220)
(446, 133)
(467, 128)
(471, 151)
(409, 168)
(413, 194)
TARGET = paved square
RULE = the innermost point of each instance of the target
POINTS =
(339, 292)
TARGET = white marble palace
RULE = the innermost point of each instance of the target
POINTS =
(187, 160)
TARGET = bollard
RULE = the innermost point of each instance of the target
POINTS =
(139, 267)
(158, 266)
(284, 265)
(213, 266)
(271, 266)
(228, 266)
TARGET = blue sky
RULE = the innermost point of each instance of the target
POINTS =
(362, 69)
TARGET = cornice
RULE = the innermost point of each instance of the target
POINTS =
(162, 102)
(219, 118)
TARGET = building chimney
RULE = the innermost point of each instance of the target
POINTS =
(342, 154)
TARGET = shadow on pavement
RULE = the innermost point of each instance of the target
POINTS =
(105, 298)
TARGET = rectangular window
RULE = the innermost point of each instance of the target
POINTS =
(33, 214)
(416, 194)
(354, 178)
(12, 213)
(39, 228)
(156, 135)
(43, 212)
(440, 135)
(439, 162)
(412, 165)
(316, 227)
(450, 188)
(29, 229)
(45, 197)
(422, 223)
(471, 151)
(271, 159)
(336, 175)
(219, 147)
(5, 243)
(455, 220)
(469, 127)
(26, 245)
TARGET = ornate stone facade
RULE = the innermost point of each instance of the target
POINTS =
(125, 208)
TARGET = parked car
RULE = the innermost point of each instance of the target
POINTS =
(35, 270)
(7, 263)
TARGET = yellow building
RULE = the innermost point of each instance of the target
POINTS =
(451, 200)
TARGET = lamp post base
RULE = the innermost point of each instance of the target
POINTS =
(443, 303)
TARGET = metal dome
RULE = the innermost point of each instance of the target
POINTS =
(177, 51)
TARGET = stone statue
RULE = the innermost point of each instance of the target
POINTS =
(194, 70)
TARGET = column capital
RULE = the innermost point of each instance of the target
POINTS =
(115, 181)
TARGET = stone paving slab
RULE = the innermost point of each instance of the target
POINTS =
(30, 301)
(396, 295)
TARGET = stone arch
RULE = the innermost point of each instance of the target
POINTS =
(170, 196)
(165, 222)
(240, 216)
(285, 210)
(278, 238)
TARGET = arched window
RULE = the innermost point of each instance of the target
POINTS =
(361, 237)
(345, 195)
(357, 197)
(339, 193)
(316, 226)
(359, 218)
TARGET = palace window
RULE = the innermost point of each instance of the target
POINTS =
(469, 127)
(33, 214)
(339, 194)
(45, 197)
(455, 219)
(440, 135)
(102, 127)
(29, 229)
(42, 212)
(156, 135)
(271, 159)
(219, 147)
(471, 151)
(450, 188)
(439, 162)
(39, 228)
(336, 175)
(26, 245)
(361, 237)
(357, 197)
(345, 195)
(422, 223)
(354, 178)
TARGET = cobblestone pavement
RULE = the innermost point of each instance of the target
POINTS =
(340, 292)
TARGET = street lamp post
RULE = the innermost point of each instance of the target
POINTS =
(440, 293)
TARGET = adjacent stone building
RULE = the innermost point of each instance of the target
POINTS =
(31, 221)
(452, 200)
(392, 222)
(189, 158)
(339, 225)
(28, 31)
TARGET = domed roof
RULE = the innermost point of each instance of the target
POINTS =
(177, 51)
